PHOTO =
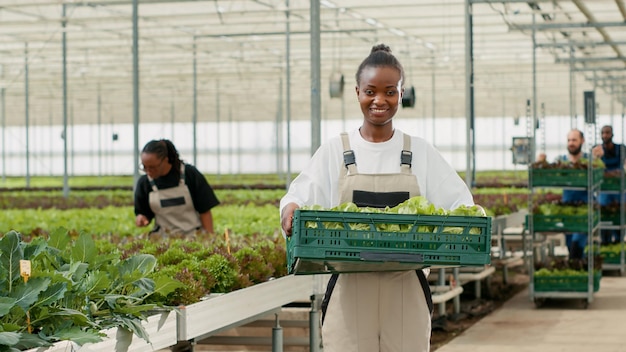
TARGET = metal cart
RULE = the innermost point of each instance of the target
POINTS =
(592, 186)
(617, 223)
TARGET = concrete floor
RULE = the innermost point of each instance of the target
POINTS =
(558, 325)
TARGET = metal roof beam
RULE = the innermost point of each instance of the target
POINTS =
(260, 34)
(603, 85)
(588, 59)
(578, 44)
(506, 1)
(559, 26)
(89, 3)
(621, 7)
(602, 69)
(618, 79)
(127, 2)
(605, 35)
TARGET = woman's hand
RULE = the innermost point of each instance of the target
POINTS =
(141, 220)
(286, 218)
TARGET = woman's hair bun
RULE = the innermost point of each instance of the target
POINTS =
(381, 47)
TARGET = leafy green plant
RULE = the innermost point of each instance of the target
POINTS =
(209, 263)
(253, 265)
(240, 219)
(561, 208)
(417, 205)
(72, 292)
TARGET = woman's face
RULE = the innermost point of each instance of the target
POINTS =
(379, 93)
(154, 166)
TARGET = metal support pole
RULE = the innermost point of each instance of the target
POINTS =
(218, 118)
(433, 81)
(194, 118)
(66, 187)
(469, 95)
(72, 155)
(112, 151)
(315, 77)
(278, 128)
(533, 128)
(277, 336)
(288, 90)
(26, 115)
(135, 92)
(50, 148)
(99, 132)
(612, 106)
(231, 140)
(4, 139)
(343, 112)
(572, 94)
(457, 299)
(441, 281)
(315, 329)
(504, 147)
(542, 124)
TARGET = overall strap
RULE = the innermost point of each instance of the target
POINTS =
(152, 184)
(349, 159)
(406, 156)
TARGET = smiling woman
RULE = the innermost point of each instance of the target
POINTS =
(376, 166)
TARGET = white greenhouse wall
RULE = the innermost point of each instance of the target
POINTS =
(250, 147)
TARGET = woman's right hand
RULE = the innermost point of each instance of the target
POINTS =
(286, 218)
(141, 220)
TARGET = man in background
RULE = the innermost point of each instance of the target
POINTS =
(612, 158)
(576, 241)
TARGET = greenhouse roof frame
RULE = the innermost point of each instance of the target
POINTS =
(237, 50)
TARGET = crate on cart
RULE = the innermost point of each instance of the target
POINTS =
(559, 223)
(610, 253)
(610, 257)
(564, 177)
(611, 184)
(569, 283)
(612, 218)
(339, 242)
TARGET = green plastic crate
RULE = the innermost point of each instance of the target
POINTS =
(329, 242)
(564, 177)
(558, 223)
(607, 253)
(611, 184)
(571, 283)
(613, 218)
(610, 257)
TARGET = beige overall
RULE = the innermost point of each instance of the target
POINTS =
(174, 213)
(378, 311)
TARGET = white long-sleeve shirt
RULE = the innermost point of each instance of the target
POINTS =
(318, 183)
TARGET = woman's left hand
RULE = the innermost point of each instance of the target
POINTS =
(286, 218)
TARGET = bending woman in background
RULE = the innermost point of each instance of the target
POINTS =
(176, 195)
